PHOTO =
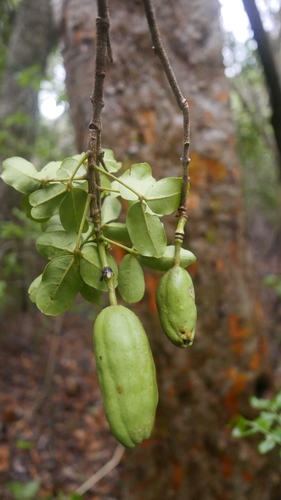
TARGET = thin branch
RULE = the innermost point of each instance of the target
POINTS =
(94, 149)
(180, 99)
(113, 462)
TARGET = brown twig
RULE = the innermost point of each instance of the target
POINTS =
(111, 464)
(94, 148)
(181, 101)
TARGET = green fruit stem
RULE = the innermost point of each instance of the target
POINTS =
(179, 234)
(109, 281)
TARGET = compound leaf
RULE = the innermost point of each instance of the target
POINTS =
(111, 164)
(91, 294)
(61, 281)
(139, 177)
(21, 175)
(72, 209)
(34, 287)
(110, 210)
(131, 283)
(91, 267)
(52, 244)
(166, 194)
(167, 260)
(146, 231)
(45, 202)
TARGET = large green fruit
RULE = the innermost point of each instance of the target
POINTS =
(126, 374)
(175, 299)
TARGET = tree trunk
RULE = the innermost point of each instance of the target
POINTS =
(31, 41)
(191, 454)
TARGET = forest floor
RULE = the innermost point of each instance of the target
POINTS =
(52, 423)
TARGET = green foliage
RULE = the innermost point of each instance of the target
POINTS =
(273, 281)
(56, 199)
(268, 423)
(251, 113)
(29, 491)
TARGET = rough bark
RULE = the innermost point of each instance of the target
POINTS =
(191, 454)
(32, 38)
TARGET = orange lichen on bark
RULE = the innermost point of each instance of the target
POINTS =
(223, 96)
(219, 265)
(203, 169)
(193, 202)
(226, 466)
(235, 329)
(177, 474)
(151, 282)
(248, 478)
(148, 123)
(255, 362)
(238, 383)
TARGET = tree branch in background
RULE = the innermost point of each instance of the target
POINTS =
(270, 70)
(181, 101)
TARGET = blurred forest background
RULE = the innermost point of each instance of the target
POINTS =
(53, 432)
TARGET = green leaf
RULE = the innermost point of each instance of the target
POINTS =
(115, 185)
(52, 224)
(262, 423)
(23, 491)
(146, 231)
(105, 182)
(110, 210)
(266, 445)
(111, 164)
(27, 207)
(91, 268)
(139, 177)
(45, 202)
(260, 403)
(276, 402)
(33, 288)
(61, 281)
(67, 168)
(20, 174)
(56, 243)
(167, 260)
(72, 209)
(268, 417)
(24, 445)
(243, 428)
(131, 283)
(91, 294)
(166, 194)
(50, 170)
(117, 231)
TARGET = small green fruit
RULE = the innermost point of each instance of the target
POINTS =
(175, 299)
(126, 374)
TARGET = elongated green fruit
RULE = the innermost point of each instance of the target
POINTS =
(126, 374)
(175, 299)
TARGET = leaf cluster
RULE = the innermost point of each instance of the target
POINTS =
(57, 199)
(267, 423)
